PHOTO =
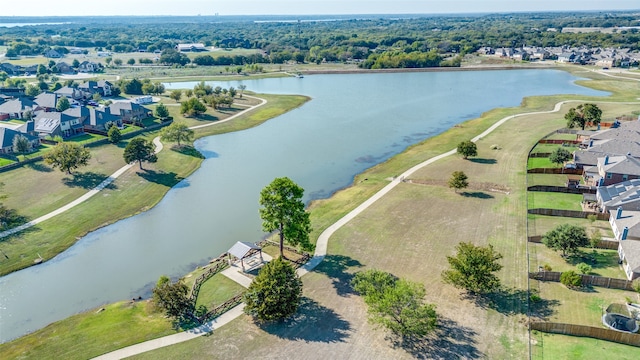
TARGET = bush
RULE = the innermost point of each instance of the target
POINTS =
(547, 267)
(636, 285)
(571, 279)
(584, 268)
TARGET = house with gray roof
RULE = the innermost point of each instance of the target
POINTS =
(625, 195)
(612, 170)
(629, 253)
(6, 140)
(70, 93)
(67, 123)
(128, 110)
(47, 101)
(90, 67)
(16, 108)
(612, 147)
(102, 87)
(98, 119)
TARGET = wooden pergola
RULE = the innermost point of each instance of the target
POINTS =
(243, 250)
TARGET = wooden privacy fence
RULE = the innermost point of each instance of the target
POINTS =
(561, 189)
(558, 141)
(567, 213)
(587, 331)
(603, 244)
(587, 280)
(540, 155)
(555, 171)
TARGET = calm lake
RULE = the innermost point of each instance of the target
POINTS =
(352, 123)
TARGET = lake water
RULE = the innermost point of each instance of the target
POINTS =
(352, 123)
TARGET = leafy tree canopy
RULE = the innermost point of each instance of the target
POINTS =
(473, 268)
(275, 293)
(282, 210)
(395, 304)
(458, 180)
(67, 156)
(467, 148)
(559, 156)
(139, 149)
(177, 132)
(566, 237)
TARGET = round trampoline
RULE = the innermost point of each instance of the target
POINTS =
(620, 322)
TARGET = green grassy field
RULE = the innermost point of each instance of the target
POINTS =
(410, 232)
(548, 200)
(554, 346)
(217, 290)
(91, 333)
(546, 179)
(603, 262)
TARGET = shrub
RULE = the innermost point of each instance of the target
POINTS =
(571, 279)
(584, 268)
(547, 267)
(636, 285)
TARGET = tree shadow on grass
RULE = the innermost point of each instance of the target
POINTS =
(187, 150)
(312, 323)
(597, 260)
(160, 177)
(483, 161)
(510, 301)
(477, 195)
(335, 266)
(87, 180)
(206, 117)
(450, 340)
(38, 166)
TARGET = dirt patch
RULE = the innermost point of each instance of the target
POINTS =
(474, 186)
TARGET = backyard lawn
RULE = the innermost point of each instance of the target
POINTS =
(544, 162)
(603, 262)
(555, 346)
(547, 179)
(550, 200)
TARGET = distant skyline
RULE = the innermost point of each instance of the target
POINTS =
(299, 7)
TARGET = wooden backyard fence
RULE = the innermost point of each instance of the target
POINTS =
(558, 141)
(587, 280)
(540, 155)
(561, 189)
(603, 244)
(568, 213)
(215, 266)
(587, 331)
(555, 171)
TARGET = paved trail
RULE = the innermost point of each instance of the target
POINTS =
(114, 176)
(320, 253)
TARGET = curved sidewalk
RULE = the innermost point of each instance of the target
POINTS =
(321, 248)
(114, 176)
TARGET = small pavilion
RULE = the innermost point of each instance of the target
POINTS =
(244, 250)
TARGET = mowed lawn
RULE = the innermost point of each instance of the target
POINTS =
(553, 346)
(552, 200)
(409, 233)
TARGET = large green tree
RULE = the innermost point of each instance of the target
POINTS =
(282, 210)
(396, 304)
(192, 107)
(458, 180)
(582, 115)
(114, 135)
(177, 132)
(21, 145)
(63, 104)
(173, 299)
(67, 156)
(566, 237)
(467, 148)
(162, 111)
(473, 268)
(275, 293)
(139, 149)
(175, 94)
(559, 156)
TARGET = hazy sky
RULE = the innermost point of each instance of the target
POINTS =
(287, 7)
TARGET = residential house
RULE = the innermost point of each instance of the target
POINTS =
(612, 170)
(52, 54)
(102, 87)
(76, 51)
(6, 140)
(70, 93)
(16, 108)
(128, 111)
(28, 127)
(625, 195)
(90, 67)
(10, 93)
(67, 123)
(626, 229)
(47, 101)
(98, 119)
(629, 253)
(584, 158)
(567, 57)
(191, 47)
(64, 68)
(11, 70)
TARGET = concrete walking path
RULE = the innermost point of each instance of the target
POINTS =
(113, 177)
(320, 252)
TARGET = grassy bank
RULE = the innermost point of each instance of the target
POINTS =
(409, 232)
(36, 189)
